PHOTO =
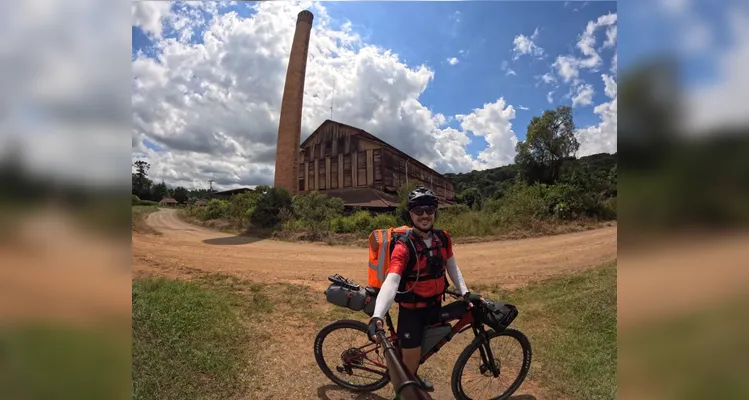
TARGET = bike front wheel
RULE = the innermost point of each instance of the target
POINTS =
(473, 375)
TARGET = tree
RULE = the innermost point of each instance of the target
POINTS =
(549, 141)
(180, 194)
(141, 183)
(471, 197)
(159, 191)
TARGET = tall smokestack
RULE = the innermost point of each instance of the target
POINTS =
(290, 121)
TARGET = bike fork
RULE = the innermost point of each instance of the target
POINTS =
(486, 353)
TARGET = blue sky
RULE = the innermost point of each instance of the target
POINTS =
(480, 35)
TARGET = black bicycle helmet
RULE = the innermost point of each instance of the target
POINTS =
(421, 197)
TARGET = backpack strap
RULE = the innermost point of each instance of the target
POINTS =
(411, 297)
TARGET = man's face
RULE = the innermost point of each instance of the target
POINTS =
(423, 217)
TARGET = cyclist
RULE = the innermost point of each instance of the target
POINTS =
(419, 297)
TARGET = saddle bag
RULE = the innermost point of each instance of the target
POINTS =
(347, 294)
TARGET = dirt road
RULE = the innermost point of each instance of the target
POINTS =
(508, 263)
(183, 247)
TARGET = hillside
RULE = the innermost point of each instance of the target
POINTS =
(493, 183)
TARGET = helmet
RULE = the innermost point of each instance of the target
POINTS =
(421, 196)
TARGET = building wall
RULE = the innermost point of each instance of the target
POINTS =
(337, 158)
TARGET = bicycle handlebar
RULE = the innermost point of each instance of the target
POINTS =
(404, 382)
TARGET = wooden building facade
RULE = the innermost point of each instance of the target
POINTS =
(338, 157)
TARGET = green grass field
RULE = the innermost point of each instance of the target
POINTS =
(189, 341)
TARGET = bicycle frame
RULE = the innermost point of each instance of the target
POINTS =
(468, 320)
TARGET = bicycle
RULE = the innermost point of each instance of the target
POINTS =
(497, 316)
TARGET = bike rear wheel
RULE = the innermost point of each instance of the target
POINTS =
(478, 350)
(356, 358)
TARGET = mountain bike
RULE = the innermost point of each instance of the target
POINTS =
(488, 321)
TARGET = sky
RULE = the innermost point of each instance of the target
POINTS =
(454, 84)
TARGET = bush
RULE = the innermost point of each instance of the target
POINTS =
(136, 200)
(216, 209)
(241, 207)
(148, 203)
(269, 205)
(316, 210)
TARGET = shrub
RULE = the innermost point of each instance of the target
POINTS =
(136, 200)
(149, 203)
(316, 210)
(269, 205)
(241, 207)
(216, 209)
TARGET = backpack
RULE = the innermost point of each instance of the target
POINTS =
(381, 245)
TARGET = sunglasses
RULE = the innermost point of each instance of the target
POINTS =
(421, 210)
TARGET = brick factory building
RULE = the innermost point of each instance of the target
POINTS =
(363, 170)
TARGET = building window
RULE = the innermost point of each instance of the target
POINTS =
(334, 174)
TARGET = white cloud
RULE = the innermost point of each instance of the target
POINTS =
(493, 123)
(523, 107)
(601, 138)
(587, 41)
(525, 45)
(216, 118)
(453, 61)
(148, 15)
(64, 102)
(584, 95)
(723, 103)
(548, 78)
(506, 67)
(613, 68)
(567, 67)
(549, 98)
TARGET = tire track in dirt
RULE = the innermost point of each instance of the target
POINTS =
(183, 248)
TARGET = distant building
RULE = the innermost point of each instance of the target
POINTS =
(347, 162)
(168, 201)
(226, 194)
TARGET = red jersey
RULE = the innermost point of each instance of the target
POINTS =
(426, 286)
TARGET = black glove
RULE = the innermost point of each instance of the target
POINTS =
(373, 328)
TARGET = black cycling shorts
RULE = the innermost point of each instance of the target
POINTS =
(411, 324)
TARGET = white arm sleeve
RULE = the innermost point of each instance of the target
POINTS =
(387, 295)
(456, 276)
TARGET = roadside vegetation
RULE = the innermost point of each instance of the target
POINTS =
(189, 341)
(546, 191)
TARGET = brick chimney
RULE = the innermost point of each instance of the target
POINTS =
(290, 121)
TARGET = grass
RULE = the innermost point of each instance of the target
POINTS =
(40, 361)
(698, 356)
(571, 323)
(139, 215)
(189, 341)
